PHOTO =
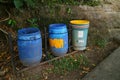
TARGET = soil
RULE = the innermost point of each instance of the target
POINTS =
(94, 55)
(5, 57)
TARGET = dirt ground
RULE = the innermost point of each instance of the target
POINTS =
(93, 54)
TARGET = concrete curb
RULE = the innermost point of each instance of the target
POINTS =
(108, 69)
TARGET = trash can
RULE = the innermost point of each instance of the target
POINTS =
(29, 46)
(79, 33)
(58, 39)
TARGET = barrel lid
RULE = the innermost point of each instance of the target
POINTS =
(57, 28)
(78, 22)
(29, 34)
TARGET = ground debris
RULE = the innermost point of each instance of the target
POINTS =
(5, 56)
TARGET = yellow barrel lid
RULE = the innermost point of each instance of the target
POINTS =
(79, 22)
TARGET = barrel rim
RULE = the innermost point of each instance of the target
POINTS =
(78, 22)
(23, 30)
(58, 28)
(57, 25)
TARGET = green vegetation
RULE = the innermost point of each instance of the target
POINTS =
(98, 37)
(11, 22)
(33, 77)
(91, 2)
(67, 2)
(46, 21)
(31, 3)
(70, 2)
(20, 3)
(68, 64)
(69, 10)
(101, 42)
(33, 22)
(50, 56)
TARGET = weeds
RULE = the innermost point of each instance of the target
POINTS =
(68, 64)
(68, 10)
(11, 22)
(49, 56)
(101, 42)
(91, 2)
(20, 3)
(33, 22)
(71, 2)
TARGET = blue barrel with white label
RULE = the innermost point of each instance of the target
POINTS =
(29, 46)
(58, 39)
(79, 34)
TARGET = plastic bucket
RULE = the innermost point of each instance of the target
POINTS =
(29, 46)
(58, 39)
(79, 33)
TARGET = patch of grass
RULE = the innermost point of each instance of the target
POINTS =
(50, 56)
(12, 22)
(91, 2)
(47, 21)
(101, 42)
(33, 22)
(68, 10)
(52, 2)
(33, 77)
(36, 77)
(70, 2)
(21, 3)
(68, 64)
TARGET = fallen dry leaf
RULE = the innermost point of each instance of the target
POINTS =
(86, 68)
(84, 71)
(8, 57)
(81, 74)
(93, 65)
(46, 77)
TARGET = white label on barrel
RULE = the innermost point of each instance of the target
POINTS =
(81, 41)
(80, 34)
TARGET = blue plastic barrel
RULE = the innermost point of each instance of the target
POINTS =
(58, 39)
(29, 46)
